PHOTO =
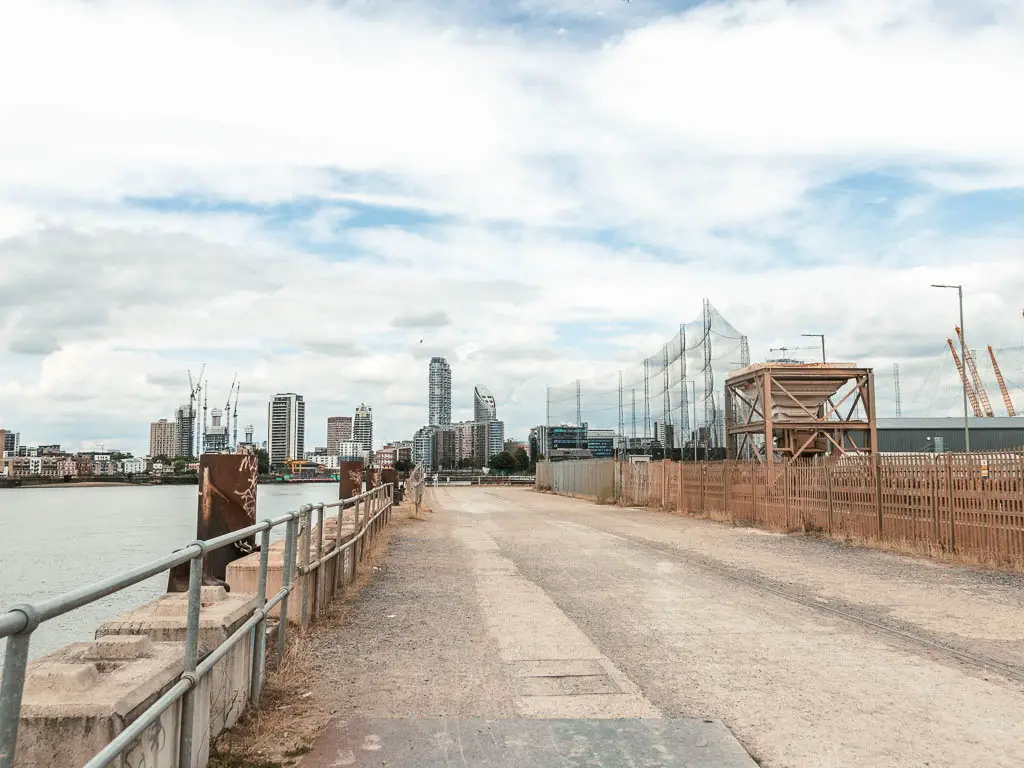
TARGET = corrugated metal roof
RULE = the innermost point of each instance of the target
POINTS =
(953, 422)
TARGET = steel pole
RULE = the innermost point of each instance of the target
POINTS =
(963, 355)
(13, 686)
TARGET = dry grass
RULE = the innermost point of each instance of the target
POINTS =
(294, 710)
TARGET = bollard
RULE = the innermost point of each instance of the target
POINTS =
(304, 545)
(259, 651)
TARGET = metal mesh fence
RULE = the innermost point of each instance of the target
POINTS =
(679, 386)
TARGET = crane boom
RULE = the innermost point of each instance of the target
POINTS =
(963, 377)
(1002, 384)
(986, 406)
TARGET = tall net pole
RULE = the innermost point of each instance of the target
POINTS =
(709, 381)
(896, 380)
(579, 417)
(622, 424)
(634, 413)
(684, 406)
(744, 351)
(647, 399)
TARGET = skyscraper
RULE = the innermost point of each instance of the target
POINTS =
(185, 427)
(163, 439)
(439, 393)
(362, 427)
(339, 430)
(484, 407)
(286, 428)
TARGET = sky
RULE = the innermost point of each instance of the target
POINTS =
(320, 196)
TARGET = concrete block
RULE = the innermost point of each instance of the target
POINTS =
(82, 696)
(165, 620)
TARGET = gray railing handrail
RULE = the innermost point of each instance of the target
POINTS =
(18, 623)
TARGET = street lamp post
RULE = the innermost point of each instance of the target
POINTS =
(818, 336)
(963, 356)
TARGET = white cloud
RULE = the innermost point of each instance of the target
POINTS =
(571, 181)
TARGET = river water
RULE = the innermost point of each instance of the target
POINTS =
(53, 540)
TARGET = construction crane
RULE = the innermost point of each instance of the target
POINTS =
(234, 419)
(227, 406)
(986, 406)
(963, 378)
(194, 391)
(1002, 384)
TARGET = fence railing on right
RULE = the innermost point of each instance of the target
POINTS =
(964, 503)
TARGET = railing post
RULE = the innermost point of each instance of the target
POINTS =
(188, 702)
(318, 574)
(13, 685)
(725, 488)
(339, 569)
(287, 577)
(304, 545)
(259, 647)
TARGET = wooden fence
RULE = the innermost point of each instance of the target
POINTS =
(967, 503)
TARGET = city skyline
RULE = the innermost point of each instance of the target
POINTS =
(518, 214)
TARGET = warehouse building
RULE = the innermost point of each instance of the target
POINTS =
(940, 435)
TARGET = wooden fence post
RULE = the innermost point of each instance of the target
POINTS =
(949, 493)
(785, 492)
(934, 478)
(829, 511)
(703, 482)
(878, 492)
(725, 489)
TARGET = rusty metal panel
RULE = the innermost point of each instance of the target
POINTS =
(350, 482)
(227, 503)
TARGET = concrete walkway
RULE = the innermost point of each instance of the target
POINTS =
(506, 603)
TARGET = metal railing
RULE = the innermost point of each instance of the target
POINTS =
(372, 512)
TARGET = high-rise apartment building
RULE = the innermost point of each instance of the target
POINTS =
(217, 439)
(163, 438)
(484, 407)
(339, 430)
(439, 393)
(286, 428)
(10, 443)
(362, 427)
(185, 429)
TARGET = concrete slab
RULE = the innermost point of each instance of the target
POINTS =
(424, 742)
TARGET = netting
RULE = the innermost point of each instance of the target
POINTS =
(680, 384)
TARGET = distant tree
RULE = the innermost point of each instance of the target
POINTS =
(502, 463)
(403, 466)
(522, 459)
(465, 464)
(179, 466)
(534, 459)
(262, 461)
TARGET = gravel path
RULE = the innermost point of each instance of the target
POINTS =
(507, 603)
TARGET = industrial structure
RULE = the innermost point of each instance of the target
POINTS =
(779, 412)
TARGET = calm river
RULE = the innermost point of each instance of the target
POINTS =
(53, 540)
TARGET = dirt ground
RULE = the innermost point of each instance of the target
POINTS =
(813, 653)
